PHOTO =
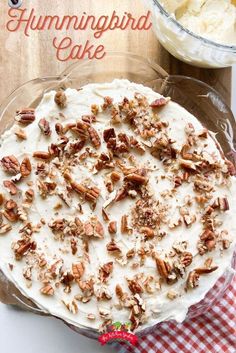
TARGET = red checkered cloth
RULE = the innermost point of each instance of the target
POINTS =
(213, 332)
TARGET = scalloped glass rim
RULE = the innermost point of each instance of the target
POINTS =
(196, 96)
(229, 48)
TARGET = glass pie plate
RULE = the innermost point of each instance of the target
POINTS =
(197, 97)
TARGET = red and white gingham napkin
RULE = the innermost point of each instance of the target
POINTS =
(213, 332)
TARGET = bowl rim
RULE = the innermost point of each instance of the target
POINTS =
(60, 78)
(222, 47)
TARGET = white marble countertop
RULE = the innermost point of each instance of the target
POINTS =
(27, 333)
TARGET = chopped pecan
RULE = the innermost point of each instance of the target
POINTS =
(10, 165)
(136, 179)
(115, 176)
(231, 167)
(203, 185)
(112, 227)
(108, 134)
(78, 270)
(148, 232)
(124, 225)
(10, 186)
(134, 286)
(185, 152)
(47, 290)
(25, 116)
(193, 279)
(113, 248)
(105, 271)
(94, 228)
(89, 119)
(22, 247)
(5, 228)
(159, 102)
(130, 254)
(11, 215)
(90, 194)
(25, 167)
(60, 99)
(21, 134)
(42, 155)
(94, 137)
(45, 127)
(119, 292)
(71, 306)
(221, 203)
(186, 259)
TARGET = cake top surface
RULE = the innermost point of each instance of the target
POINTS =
(116, 204)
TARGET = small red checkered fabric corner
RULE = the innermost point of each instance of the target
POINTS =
(213, 332)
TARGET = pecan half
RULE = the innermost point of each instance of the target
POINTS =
(134, 286)
(42, 155)
(25, 167)
(25, 116)
(60, 99)
(163, 267)
(45, 127)
(10, 186)
(10, 165)
(94, 137)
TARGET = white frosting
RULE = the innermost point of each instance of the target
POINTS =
(158, 306)
(212, 19)
(215, 22)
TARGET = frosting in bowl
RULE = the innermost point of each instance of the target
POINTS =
(212, 19)
(116, 205)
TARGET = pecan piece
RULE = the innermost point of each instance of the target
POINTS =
(47, 290)
(25, 116)
(193, 279)
(45, 127)
(25, 167)
(159, 102)
(205, 270)
(163, 267)
(21, 134)
(78, 270)
(60, 99)
(94, 228)
(186, 259)
(94, 137)
(5, 228)
(136, 179)
(23, 246)
(108, 134)
(10, 186)
(119, 292)
(10, 165)
(148, 232)
(42, 155)
(113, 248)
(112, 227)
(105, 271)
(134, 286)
